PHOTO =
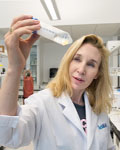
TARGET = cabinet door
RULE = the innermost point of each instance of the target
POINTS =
(32, 65)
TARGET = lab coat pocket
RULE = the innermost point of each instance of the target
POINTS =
(102, 136)
(64, 140)
(63, 143)
(63, 147)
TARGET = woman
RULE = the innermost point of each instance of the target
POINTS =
(71, 113)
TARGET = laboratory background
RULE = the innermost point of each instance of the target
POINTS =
(78, 18)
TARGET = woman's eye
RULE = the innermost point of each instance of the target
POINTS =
(76, 59)
(91, 64)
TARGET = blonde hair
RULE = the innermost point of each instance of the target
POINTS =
(99, 91)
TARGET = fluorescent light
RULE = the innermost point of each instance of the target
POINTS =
(51, 9)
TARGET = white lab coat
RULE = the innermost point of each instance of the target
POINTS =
(53, 124)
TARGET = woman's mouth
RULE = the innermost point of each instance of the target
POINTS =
(79, 79)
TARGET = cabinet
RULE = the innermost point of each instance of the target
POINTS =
(32, 64)
(114, 63)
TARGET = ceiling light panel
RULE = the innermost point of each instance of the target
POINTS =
(51, 9)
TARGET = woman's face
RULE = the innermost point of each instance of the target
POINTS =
(84, 67)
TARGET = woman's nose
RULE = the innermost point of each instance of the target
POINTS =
(81, 69)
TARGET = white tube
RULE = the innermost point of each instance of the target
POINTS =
(54, 34)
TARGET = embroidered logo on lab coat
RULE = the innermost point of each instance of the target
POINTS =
(104, 125)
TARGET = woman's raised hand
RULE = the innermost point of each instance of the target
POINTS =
(18, 49)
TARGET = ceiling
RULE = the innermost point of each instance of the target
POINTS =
(78, 17)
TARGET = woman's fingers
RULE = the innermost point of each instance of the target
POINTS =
(27, 22)
(21, 31)
(25, 30)
(24, 27)
(23, 24)
(32, 39)
(27, 44)
(22, 17)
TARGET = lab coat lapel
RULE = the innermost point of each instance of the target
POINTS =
(70, 112)
(92, 119)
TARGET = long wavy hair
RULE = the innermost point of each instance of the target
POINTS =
(100, 90)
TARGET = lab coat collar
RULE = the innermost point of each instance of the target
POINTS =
(92, 119)
(71, 114)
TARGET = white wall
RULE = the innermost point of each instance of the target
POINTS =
(52, 54)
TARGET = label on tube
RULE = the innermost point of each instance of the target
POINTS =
(54, 34)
